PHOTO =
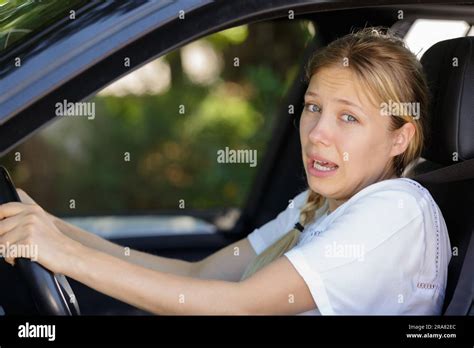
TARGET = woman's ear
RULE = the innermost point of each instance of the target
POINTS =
(402, 138)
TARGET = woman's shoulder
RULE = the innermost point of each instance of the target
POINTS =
(393, 203)
(403, 192)
(398, 204)
(407, 185)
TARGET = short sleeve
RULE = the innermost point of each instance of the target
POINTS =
(368, 259)
(264, 236)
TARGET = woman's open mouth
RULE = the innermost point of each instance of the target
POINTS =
(321, 168)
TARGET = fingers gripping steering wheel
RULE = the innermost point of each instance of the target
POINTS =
(51, 293)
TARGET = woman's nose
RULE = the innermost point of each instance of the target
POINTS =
(321, 131)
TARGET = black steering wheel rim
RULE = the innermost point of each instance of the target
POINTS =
(51, 293)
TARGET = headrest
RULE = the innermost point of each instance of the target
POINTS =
(449, 68)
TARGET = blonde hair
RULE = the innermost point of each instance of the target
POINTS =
(383, 65)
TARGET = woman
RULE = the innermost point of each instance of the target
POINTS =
(361, 240)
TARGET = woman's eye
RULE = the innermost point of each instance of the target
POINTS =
(312, 107)
(349, 118)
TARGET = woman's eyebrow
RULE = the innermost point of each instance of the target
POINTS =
(340, 100)
(348, 102)
(312, 94)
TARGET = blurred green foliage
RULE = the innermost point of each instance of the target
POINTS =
(173, 156)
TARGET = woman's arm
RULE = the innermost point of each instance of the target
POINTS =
(96, 242)
(275, 289)
(228, 263)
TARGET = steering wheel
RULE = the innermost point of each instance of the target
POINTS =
(51, 293)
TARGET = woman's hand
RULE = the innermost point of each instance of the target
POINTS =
(27, 231)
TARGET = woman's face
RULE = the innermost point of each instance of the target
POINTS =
(340, 125)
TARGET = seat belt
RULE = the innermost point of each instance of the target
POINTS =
(455, 172)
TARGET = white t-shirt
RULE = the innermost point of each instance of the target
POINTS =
(384, 251)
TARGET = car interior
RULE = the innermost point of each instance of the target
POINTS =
(451, 126)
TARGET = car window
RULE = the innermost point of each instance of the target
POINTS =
(186, 133)
(424, 33)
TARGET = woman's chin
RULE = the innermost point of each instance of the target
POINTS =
(319, 187)
(326, 186)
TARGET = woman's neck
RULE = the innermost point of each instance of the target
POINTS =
(335, 203)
